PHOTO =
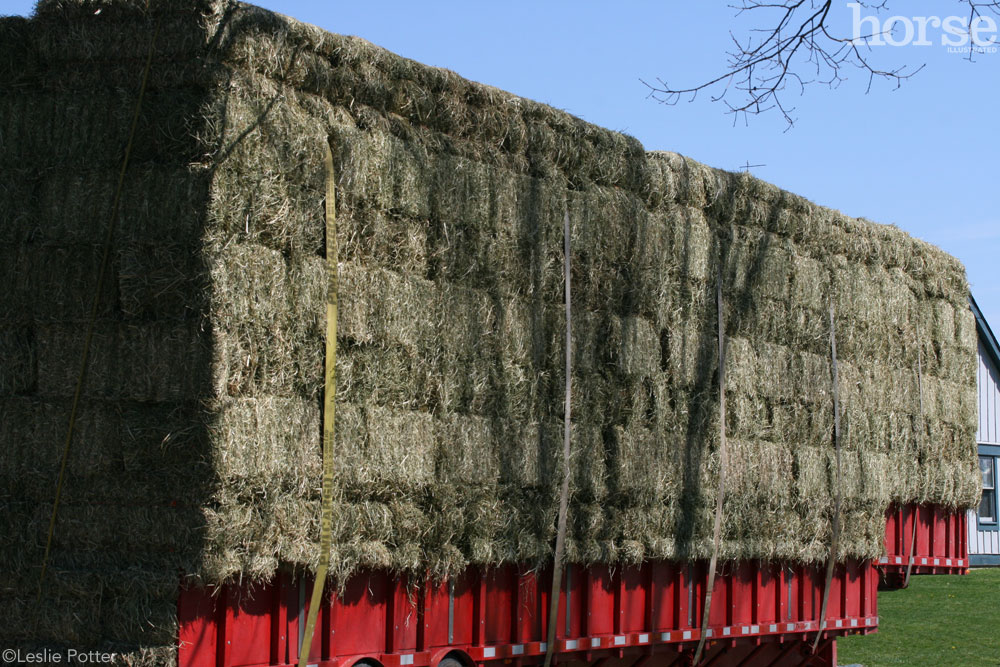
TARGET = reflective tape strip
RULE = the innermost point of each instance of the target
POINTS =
(571, 644)
(619, 641)
(489, 652)
(595, 642)
(406, 659)
(517, 649)
(686, 635)
(664, 636)
(643, 639)
(773, 628)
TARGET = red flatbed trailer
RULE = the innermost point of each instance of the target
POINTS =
(941, 544)
(635, 616)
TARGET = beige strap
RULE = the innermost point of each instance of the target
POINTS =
(329, 405)
(723, 463)
(95, 304)
(564, 491)
(920, 440)
(835, 541)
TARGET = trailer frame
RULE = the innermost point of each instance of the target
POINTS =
(941, 545)
(647, 615)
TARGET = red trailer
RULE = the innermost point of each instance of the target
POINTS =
(647, 615)
(940, 543)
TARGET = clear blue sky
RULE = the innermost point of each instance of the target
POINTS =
(918, 157)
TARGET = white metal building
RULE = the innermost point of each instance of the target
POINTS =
(984, 528)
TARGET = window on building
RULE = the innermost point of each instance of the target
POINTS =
(988, 505)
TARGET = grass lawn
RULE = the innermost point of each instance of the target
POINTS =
(939, 620)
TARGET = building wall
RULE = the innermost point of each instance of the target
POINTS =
(988, 382)
(984, 540)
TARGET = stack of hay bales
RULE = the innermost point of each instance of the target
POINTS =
(198, 445)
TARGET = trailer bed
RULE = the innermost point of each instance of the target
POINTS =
(762, 614)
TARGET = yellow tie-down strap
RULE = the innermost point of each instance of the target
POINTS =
(329, 399)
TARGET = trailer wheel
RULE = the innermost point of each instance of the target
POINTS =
(449, 661)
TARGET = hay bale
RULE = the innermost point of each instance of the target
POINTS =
(160, 204)
(19, 352)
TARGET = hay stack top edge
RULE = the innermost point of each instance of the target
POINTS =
(283, 40)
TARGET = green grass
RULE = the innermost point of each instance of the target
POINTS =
(939, 620)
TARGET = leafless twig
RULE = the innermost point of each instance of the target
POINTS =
(797, 49)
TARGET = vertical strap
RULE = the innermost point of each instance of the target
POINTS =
(920, 441)
(723, 463)
(835, 541)
(329, 405)
(88, 339)
(564, 491)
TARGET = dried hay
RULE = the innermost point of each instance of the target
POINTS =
(197, 446)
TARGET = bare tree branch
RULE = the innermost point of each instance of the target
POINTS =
(798, 49)
(976, 10)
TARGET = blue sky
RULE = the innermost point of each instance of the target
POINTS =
(917, 157)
